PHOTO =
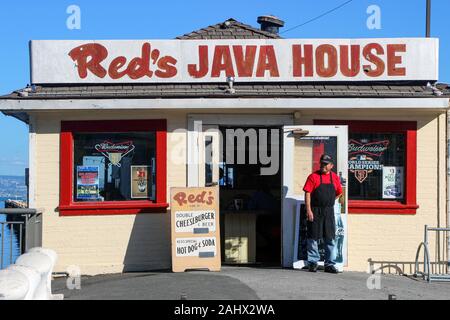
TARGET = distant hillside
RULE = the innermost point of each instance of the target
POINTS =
(12, 187)
(17, 178)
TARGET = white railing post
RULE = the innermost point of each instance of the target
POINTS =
(30, 278)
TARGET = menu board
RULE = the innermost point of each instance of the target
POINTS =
(195, 228)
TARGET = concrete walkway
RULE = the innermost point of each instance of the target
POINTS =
(249, 284)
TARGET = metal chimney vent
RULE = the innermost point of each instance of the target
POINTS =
(270, 23)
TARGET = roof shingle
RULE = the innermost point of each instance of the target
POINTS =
(229, 29)
(219, 90)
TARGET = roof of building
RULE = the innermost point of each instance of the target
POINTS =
(229, 29)
(232, 29)
(221, 90)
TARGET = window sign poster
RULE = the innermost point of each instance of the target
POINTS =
(140, 182)
(152, 185)
(97, 161)
(87, 182)
(195, 228)
(393, 182)
(364, 157)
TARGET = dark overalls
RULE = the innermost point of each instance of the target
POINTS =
(323, 224)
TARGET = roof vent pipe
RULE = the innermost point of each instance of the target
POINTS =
(270, 23)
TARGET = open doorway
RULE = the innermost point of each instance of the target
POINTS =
(302, 147)
(250, 197)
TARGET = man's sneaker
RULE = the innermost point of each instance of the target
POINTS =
(312, 267)
(331, 269)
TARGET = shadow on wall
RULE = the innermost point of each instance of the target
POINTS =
(149, 247)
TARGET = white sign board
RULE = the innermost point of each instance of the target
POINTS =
(250, 60)
(204, 247)
(393, 182)
(195, 221)
(195, 228)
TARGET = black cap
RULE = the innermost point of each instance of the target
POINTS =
(326, 159)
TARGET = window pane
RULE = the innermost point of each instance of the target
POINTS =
(320, 146)
(376, 166)
(242, 167)
(208, 160)
(114, 166)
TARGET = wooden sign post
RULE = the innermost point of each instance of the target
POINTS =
(195, 228)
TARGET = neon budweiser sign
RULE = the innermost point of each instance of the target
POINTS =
(115, 151)
(372, 148)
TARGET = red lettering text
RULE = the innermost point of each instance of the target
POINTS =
(245, 64)
(304, 60)
(267, 62)
(202, 69)
(330, 68)
(393, 59)
(352, 68)
(222, 62)
(88, 57)
(374, 59)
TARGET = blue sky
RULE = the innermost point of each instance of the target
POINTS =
(146, 19)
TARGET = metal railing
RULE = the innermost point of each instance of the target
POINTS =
(25, 226)
(437, 269)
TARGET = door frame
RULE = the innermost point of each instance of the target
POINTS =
(195, 133)
(291, 201)
(195, 128)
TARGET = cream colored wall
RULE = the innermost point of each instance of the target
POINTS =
(112, 243)
(303, 154)
(103, 244)
(395, 238)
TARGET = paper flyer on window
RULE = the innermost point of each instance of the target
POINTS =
(87, 182)
(393, 182)
(140, 182)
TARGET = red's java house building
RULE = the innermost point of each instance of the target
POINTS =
(115, 124)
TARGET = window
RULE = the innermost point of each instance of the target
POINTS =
(376, 166)
(382, 166)
(322, 145)
(241, 169)
(113, 167)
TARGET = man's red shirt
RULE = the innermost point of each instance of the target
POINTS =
(313, 182)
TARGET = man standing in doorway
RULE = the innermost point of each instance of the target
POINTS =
(322, 188)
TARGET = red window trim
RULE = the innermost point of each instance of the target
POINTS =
(409, 205)
(67, 207)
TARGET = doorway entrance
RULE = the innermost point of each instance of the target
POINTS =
(302, 148)
(242, 154)
(250, 194)
(248, 235)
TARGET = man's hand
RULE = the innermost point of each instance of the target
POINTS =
(310, 215)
